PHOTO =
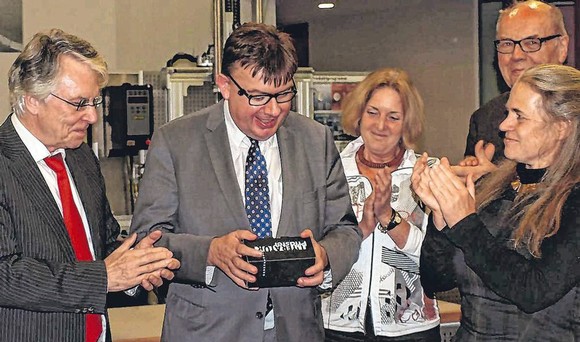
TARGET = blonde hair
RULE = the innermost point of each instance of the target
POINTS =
(397, 79)
(539, 211)
(36, 69)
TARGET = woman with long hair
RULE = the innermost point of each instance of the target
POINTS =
(511, 243)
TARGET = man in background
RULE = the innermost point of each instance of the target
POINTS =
(58, 235)
(203, 173)
(528, 33)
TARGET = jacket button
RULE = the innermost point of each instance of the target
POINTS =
(259, 315)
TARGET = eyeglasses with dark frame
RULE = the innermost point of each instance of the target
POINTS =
(84, 102)
(261, 100)
(507, 46)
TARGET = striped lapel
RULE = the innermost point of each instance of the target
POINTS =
(25, 171)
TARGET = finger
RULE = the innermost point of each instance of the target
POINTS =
(445, 162)
(244, 234)
(242, 275)
(306, 233)
(154, 280)
(438, 183)
(149, 240)
(470, 185)
(244, 250)
(146, 284)
(452, 178)
(244, 266)
(240, 282)
(311, 281)
(150, 267)
(127, 243)
(489, 151)
(174, 264)
(166, 274)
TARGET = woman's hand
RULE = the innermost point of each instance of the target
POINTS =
(420, 182)
(382, 191)
(368, 222)
(456, 200)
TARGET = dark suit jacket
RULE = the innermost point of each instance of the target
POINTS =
(484, 125)
(190, 191)
(44, 291)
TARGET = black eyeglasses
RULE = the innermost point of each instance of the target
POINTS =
(84, 102)
(260, 100)
(507, 46)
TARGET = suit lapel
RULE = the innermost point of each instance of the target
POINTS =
(220, 158)
(288, 145)
(24, 170)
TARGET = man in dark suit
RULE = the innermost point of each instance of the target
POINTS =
(58, 235)
(528, 33)
(195, 190)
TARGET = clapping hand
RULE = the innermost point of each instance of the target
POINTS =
(455, 199)
(127, 267)
(420, 180)
(477, 166)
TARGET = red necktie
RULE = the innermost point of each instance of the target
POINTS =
(76, 232)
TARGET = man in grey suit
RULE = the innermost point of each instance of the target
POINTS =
(193, 190)
(58, 235)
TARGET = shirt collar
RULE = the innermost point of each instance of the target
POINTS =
(237, 138)
(33, 145)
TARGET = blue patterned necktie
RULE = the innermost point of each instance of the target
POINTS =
(257, 192)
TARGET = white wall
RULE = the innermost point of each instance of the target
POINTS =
(131, 34)
(435, 41)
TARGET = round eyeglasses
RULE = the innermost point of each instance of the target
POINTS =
(261, 100)
(507, 46)
(84, 102)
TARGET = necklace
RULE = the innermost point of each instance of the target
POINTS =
(393, 162)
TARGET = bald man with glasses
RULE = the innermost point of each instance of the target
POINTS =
(528, 33)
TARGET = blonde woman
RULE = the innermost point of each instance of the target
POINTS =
(382, 298)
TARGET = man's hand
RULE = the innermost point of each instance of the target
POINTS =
(226, 252)
(156, 280)
(477, 166)
(128, 267)
(315, 273)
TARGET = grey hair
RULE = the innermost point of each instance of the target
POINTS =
(36, 69)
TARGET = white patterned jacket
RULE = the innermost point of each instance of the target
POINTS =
(384, 274)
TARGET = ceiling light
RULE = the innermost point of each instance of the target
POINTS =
(326, 5)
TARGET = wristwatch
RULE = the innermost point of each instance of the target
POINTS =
(396, 219)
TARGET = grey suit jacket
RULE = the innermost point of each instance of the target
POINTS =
(44, 291)
(189, 190)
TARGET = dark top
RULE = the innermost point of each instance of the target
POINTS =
(484, 125)
(506, 294)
